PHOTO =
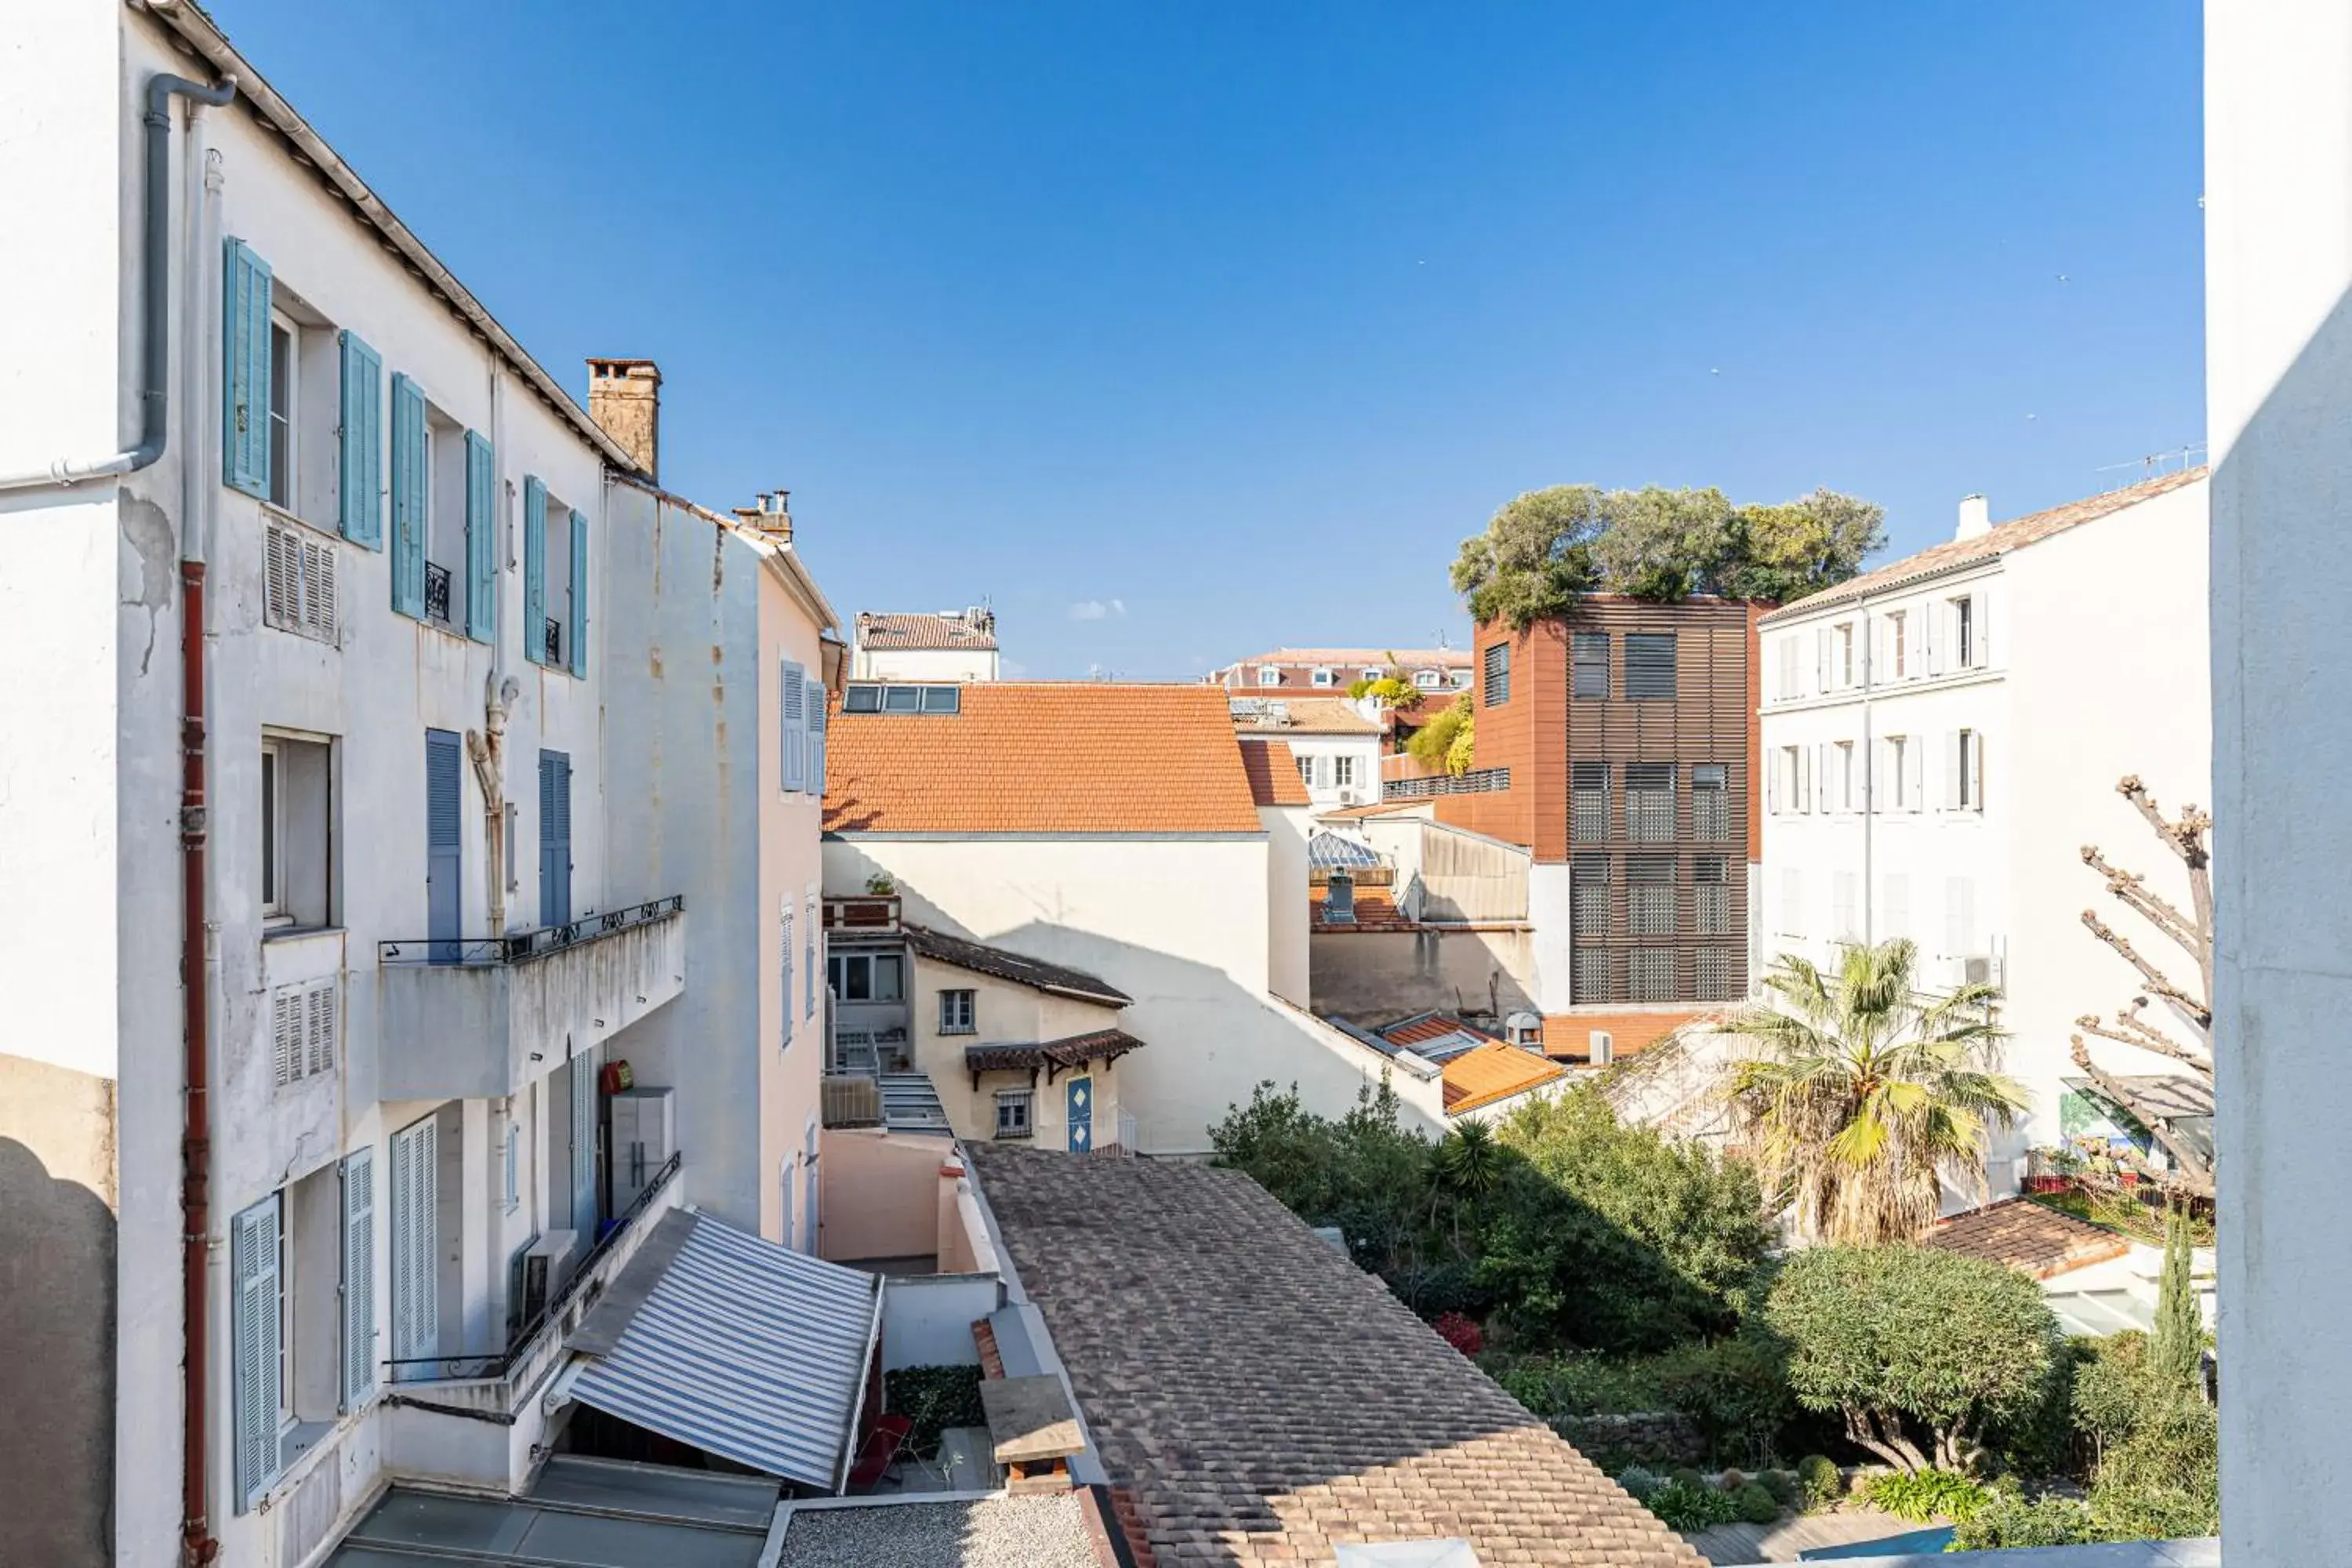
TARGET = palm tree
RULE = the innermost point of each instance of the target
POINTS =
(1865, 1092)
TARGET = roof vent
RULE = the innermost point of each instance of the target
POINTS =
(1976, 518)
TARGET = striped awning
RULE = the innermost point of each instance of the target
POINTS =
(751, 1351)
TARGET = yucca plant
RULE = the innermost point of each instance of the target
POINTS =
(1865, 1090)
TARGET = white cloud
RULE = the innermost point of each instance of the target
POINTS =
(1097, 609)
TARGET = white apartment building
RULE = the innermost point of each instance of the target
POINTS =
(1335, 747)
(943, 646)
(341, 909)
(1941, 736)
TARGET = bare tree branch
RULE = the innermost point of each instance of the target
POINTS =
(2128, 1030)
(2131, 889)
(2191, 1008)
(2193, 1173)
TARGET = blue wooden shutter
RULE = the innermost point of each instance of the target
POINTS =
(576, 634)
(359, 1278)
(481, 539)
(254, 1350)
(415, 1240)
(361, 444)
(444, 842)
(791, 722)
(408, 496)
(534, 569)
(816, 718)
(554, 839)
(245, 371)
(1080, 1115)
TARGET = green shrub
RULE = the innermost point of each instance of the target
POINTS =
(1735, 1392)
(933, 1398)
(2009, 1519)
(1638, 1482)
(1819, 1479)
(1731, 1480)
(1684, 1476)
(1925, 1495)
(1691, 1505)
(1756, 1505)
(1783, 1488)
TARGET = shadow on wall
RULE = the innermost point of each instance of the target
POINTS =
(57, 1323)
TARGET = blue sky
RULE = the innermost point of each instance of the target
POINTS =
(1182, 330)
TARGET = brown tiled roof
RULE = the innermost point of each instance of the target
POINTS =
(1488, 1073)
(1999, 540)
(1273, 772)
(1070, 1051)
(1566, 1035)
(1196, 1317)
(1005, 964)
(1375, 910)
(1354, 661)
(879, 629)
(1078, 756)
(1434, 1026)
(1308, 716)
(2027, 1235)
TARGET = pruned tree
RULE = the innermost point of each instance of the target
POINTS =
(2192, 1011)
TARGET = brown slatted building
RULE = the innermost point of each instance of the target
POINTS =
(1621, 741)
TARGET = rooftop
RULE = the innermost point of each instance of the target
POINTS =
(974, 628)
(1484, 1074)
(1567, 1037)
(1359, 660)
(2028, 1236)
(1047, 1531)
(1043, 757)
(1999, 540)
(1273, 772)
(1194, 1315)
(1254, 716)
(1375, 909)
(1003, 963)
(1070, 1051)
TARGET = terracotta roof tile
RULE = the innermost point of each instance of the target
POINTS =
(1999, 540)
(1194, 1316)
(1356, 660)
(1567, 1036)
(1071, 1051)
(1006, 964)
(885, 630)
(1493, 1072)
(1301, 716)
(2027, 1235)
(1431, 1026)
(1273, 772)
(1043, 757)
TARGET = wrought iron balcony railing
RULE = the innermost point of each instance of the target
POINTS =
(523, 946)
(551, 640)
(436, 593)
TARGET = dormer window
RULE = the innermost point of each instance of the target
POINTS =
(1322, 675)
(1268, 675)
(1370, 672)
(1428, 680)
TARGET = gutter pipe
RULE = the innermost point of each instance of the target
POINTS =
(155, 371)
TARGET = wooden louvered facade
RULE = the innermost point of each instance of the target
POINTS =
(1555, 730)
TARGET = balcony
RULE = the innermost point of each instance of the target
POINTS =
(476, 1018)
(869, 914)
(437, 593)
(552, 641)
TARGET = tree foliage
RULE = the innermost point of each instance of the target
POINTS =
(1545, 549)
(1899, 1340)
(1865, 1093)
(1449, 740)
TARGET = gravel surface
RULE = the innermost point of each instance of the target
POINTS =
(997, 1532)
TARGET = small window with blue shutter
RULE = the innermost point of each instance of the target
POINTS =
(482, 586)
(792, 724)
(245, 320)
(359, 444)
(554, 580)
(535, 644)
(411, 496)
(816, 721)
(577, 628)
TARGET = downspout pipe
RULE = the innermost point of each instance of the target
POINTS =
(154, 396)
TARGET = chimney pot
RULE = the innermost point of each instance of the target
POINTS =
(1976, 518)
(625, 400)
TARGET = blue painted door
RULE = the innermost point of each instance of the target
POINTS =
(1082, 1115)
(554, 839)
(444, 798)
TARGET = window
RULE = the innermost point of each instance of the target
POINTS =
(1429, 679)
(296, 833)
(448, 456)
(1651, 974)
(510, 1193)
(784, 1198)
(1784, 664)
(298, 569)
(1845, 924)
(1792, 778)
(1899, 643)
(1651, 902)
(868, 698)
(1968, 770)
(1895, 793)
(1592, 975)
(1498, 668)
(1588, 896)
(956, 1012)
(867, 976)
(1650, 803)
(1842, 761)
(285, 340)
(1587, 802)
(862, 700)
(1964, 633)
(1460, 679)
(1845, 653)
(788, 960)
(1321, 675)
(1372, 673)
(554, 839)
(1268, 675)
(1711, 802)
(815, 940)
(555, 580)
(1649, 666)
(1343, 771)
(1012, 1113)
(1306, 770)
(1793, 902)
(1591, 656)
(1895, 907)
(1711, 895)
(304, 1030)
(1714, 974)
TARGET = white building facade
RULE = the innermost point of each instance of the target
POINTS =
(1942, 735)
(1334, 746)
(322, 669)
(942, 646)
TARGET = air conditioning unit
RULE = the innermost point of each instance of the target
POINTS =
(1600, 1048)
(536, 1273)
(1350, 798)
(1981, 969)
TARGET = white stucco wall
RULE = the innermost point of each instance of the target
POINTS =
(1321, 755)
(1180, 924)
(913, 663)
(2278, 152)
(1288, 829)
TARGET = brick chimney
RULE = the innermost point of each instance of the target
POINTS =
(625, 400)
(772, 516)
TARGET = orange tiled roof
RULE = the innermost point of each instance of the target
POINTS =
(1304, 716)
(1485, 1074)
(2027, 1235)
(1999, 540)
(1274, 774)
(1435, 1026)
(1043, 757)
(1566, 1035)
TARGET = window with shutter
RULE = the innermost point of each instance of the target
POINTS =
(817, 722)
(410, 496)
(1650, 802)
(245, 365)
(481, 539)
(1652, 975)
(1711, 898)
(1587, 802)
(359, 1278)
(809, 992)
(1591, 674)
(554, 839)
(285, 1035)
(1711, 802)
(1588, 896)
(416, 1241)
(321, 1005)
(1593, 976)
(534, 569)
(444, 844)
(257, 1350)
(576, 632)
(784, 923)
(1649, 666)
(1495, 676)
(360, 445)
(793, 724)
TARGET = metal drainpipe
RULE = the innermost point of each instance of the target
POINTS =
(156, 314)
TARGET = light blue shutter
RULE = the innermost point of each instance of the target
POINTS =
(793, 724)
(816, 718)
(415, 1240)
(481, 539)
(784, 915)
(254, 1352)
(444, 844)
(408, 496)
(359, 1278)
(554, 839)
(245, 371)
(808, 970)
(577, 632)
(534, 569)
(361, 444)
